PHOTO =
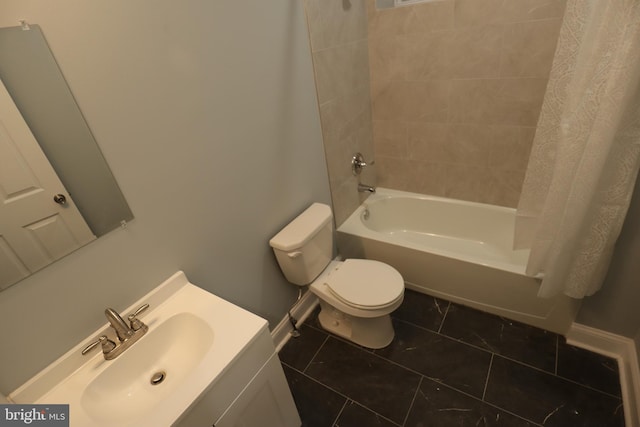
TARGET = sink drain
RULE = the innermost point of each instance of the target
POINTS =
(158, 377)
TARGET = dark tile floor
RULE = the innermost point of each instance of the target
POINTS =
(450, 365)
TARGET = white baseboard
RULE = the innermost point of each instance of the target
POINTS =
(624, 350)
(300, 311)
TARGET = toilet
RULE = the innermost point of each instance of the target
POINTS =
(356, 295)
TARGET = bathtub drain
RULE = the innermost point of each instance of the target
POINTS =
(158, 377)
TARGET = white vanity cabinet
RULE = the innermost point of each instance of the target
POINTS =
(252, 392)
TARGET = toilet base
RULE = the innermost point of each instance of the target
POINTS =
(372, 332)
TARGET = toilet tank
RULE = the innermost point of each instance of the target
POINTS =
(303, 248)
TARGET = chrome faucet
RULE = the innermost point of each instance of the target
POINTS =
(362, 188)
(127, 334)
(123, 331)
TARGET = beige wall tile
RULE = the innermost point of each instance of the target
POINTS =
(497, 101)
(454, 93)
(390, 22)
(475, 52)
(427, 178)
(428, 142)
(337, 153)
(390, 138)
(391, 172)
(482, 12)
(335, 114)
(387, 58)
(342, 143)
(483, 185)
(529, 10)
(341, 69)
(528, 48)
(412, 101)
(434, 16)
(411, 175)
(469, 144)
(510, 148)
(362, 130)
(470, 13)
(345, 199)
(427, 56)
(504, 187)
(336, 22)
(466, 53)
(420, 18)
(338, 34)
(466, 182)
(371, 10)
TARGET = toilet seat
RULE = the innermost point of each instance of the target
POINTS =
(366, 284)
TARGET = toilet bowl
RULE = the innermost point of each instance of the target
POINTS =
(356, 295)
(356, 298)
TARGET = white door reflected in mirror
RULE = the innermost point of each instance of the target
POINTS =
(35, 229)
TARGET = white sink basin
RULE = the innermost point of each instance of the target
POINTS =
(193, 336)
(171, 351)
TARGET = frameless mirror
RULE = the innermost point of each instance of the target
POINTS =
(44, 138)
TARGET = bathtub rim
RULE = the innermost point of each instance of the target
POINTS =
(354, 226)
(506, 294)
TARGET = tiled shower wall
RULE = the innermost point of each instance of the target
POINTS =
(456, 89)
(338, 34)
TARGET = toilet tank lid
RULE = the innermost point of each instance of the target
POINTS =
(303, 228)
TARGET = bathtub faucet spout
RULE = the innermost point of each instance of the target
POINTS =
(362, 188)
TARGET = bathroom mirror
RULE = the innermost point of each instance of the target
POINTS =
(36, 86)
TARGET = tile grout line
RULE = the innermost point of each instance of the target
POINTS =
(372, 411)
(406, 417)
(315, 354)
(335, 421)
(477, 347)
(444, 317)
(486, 382)
(519, 362)
(317, 381)
(493, 405)
(557, 351)
(339, 393)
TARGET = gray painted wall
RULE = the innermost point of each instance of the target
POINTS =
(615, 307)
(206, 112)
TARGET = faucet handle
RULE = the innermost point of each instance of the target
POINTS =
(134, 322)
(107, 345)
(358, 163)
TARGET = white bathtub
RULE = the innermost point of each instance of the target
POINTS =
(456, 250)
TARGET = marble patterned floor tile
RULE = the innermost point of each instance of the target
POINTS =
(336, 383)
(438, 405)
(299, 351)
(422, 310)
(591, 369)
(317, 405)
(548, 399)
(439, 357)
(527, 344)
(381, 386)
(355, 415)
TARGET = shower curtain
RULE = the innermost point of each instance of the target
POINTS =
(586, 151)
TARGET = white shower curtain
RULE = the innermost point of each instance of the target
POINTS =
(586, 151)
